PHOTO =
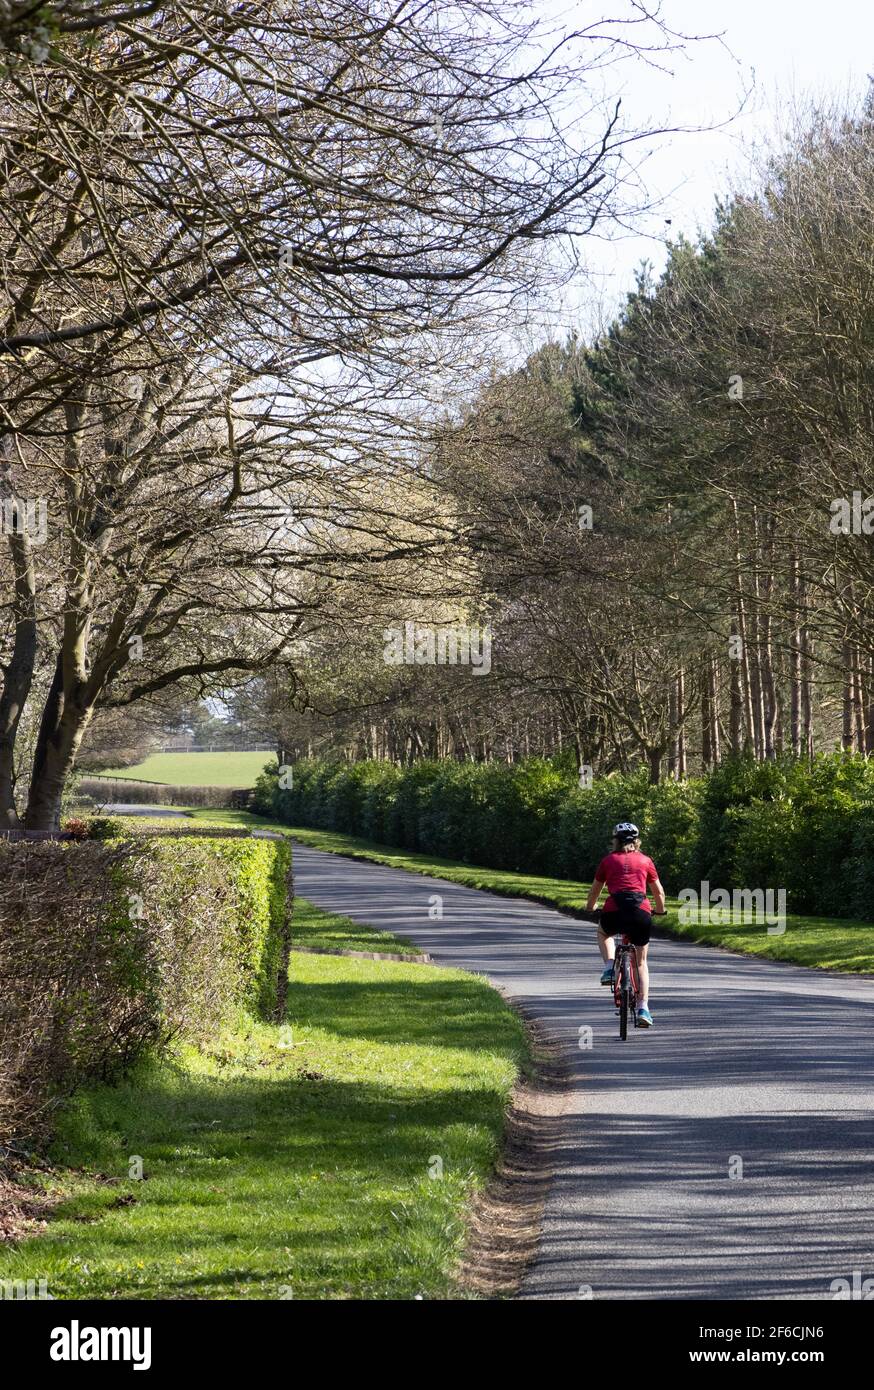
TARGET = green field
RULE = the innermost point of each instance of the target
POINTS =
(196, 769)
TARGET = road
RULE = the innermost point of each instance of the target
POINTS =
(724, 1154)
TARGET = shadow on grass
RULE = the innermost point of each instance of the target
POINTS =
(433, 1011)
(251, 1179)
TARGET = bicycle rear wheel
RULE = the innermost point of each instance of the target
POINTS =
(624, 994)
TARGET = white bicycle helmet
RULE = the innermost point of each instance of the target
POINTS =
(625, 832)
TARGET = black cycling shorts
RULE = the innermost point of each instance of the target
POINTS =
(636, 924)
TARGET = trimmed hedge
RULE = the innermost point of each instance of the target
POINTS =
(530, 818)
(111, 948)
(804, 826)
(221, 901)
(100, 791)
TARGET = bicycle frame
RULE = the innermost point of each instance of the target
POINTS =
(625, 949)
(626, 984)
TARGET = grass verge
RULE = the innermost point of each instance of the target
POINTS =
(293, 1162)
(824, 943)
(328, 931)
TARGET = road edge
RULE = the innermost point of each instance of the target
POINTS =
(505, 1218)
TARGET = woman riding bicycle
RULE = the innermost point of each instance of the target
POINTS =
(627, 874)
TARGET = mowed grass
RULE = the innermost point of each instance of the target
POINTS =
(824, 943)
(328, 931)
(291, 1162)
(197, 769)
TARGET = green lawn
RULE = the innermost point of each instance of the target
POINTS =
(827, 943)
(290, 1162)
(197, 769)
(313, 927)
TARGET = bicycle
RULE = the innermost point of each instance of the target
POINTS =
(626, 980)
(626, 984)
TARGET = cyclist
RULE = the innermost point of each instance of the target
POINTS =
(627, 874)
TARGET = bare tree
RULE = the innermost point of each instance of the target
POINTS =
(237, 248)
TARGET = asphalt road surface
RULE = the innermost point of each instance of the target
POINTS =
(726, 1153)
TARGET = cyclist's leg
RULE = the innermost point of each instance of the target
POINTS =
(639, 934)
(606, 944)
(643, 975)
(607, 947)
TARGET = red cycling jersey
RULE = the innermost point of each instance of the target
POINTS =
(626, 872)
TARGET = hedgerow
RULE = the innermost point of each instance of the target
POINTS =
(112, 947)
(806, 826)
(99, 791)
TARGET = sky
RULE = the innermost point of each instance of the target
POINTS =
(778, 51)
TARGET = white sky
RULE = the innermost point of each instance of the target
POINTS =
(783, 48)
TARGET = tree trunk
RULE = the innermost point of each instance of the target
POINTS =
(859, 698)
(707, 759)
(61, 731)
(754, 665)
(672, 725)
(769, 687)
(770, 694)
(795, 659)
(18, 673)
(736, 717)
(807, 692)
(713, 704)
(745, 679)
(754, 679)
(847, 702)
(681, 724)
